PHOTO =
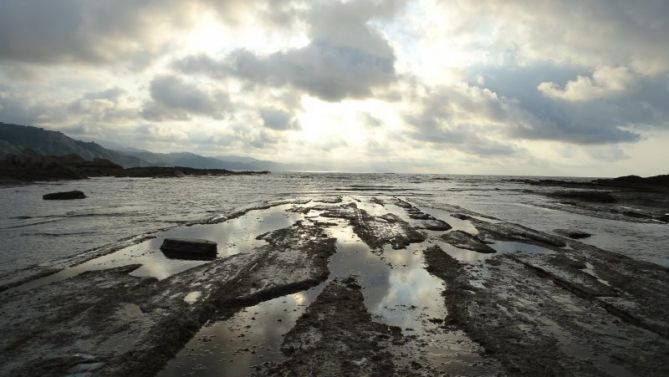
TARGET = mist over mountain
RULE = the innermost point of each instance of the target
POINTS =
(18, 139)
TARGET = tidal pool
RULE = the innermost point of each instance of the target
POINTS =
(397, 291)
(233, 236)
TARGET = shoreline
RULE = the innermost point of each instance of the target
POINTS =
(30, 168)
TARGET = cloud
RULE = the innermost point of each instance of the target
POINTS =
(345, 58)
(20, 108)
(464, 118)
(106, 107)
(111, 94)
(74, 30)
(607, 108)
(605, 81)
(278, 120)
(112, 32)
(358, 79)
(591, 33)
(175, 99)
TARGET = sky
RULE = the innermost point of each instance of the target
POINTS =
(512, 87)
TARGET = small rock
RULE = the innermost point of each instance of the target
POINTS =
(420, 216)
(437, 225)
(460, 216)
(572, 233)
(67, 195)
(193, 249)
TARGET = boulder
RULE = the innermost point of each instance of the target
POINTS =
(192, 249)
(67, 195)
(572, 233)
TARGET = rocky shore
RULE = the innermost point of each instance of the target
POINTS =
(30, 167)
(486, 299)
(631, 197)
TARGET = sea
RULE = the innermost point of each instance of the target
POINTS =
(34, 231)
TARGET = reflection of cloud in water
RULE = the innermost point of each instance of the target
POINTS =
(250, 337)
(232, 237)
(410, 285)
(391, 284)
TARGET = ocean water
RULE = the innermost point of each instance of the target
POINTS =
(34, 231)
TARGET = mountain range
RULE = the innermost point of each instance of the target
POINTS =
(18, 139)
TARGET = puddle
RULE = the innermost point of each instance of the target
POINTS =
(396, 289)
(232, 236)
(248, 339)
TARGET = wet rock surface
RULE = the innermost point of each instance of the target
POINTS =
(134, 325)
(336, 336)
(347, 285)
(553, 314)
(434, 224)
(377, 231)
(517, 232)
(465, 240)
(610, 198)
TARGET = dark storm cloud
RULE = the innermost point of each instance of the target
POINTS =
(173, 98)
(345, 58)
(609, 118)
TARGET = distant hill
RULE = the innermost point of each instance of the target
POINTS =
(191, 160)
(15, 139)
(220, 162)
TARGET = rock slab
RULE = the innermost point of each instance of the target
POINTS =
(67, 195)
(181, 248)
